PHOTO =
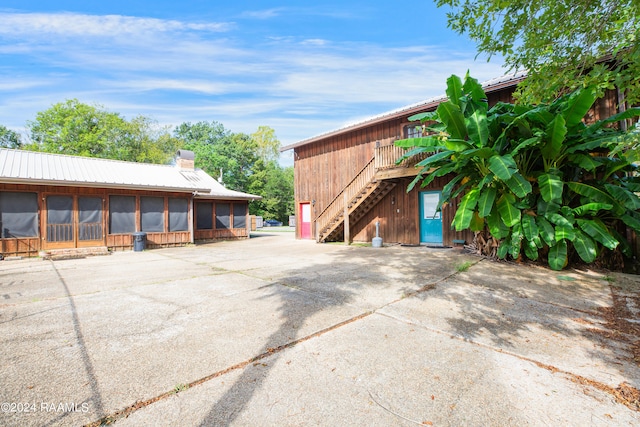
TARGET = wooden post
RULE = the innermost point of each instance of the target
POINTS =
(347, 237)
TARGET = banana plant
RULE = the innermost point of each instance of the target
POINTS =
(538, 178)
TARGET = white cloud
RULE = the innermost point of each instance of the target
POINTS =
(73, 24)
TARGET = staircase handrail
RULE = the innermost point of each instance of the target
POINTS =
(364, 177)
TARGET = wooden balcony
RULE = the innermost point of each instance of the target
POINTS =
(385, 159)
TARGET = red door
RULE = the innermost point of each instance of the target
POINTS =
(305, 221)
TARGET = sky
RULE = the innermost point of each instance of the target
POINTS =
(301, 68)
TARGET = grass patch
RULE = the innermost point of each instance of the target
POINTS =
(463, 266)
(180, 387)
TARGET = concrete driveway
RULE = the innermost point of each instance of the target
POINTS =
(274, 331)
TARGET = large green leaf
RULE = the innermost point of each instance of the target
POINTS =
(457, 145)
(435, 158)
(529, 142)
(454, 89)
(496, 226)
(626, 197)
(632, 220)
(477, 223)
(591, 208)
(529, 227)
(462, 219)
(556, 132)
(599, 232)
(550, 187)
(477, 128)
(629, 113)
(557, 257)
(591, 192)
(547, 232)
(470, 199)
(485, 201)
(565, 232)
(503, 166)
(578, 105)
(473, 88)
(558, 219)
(530, 250)
(510, 215)
(585, 246)
(427, 116)
(518, 185)
(425, 141)
(452, 117)
(585, 161)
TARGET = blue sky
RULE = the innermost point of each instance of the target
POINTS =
(302, 68)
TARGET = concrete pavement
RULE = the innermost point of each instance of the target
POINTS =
(274, 331)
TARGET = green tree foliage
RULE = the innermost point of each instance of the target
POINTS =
(268, 144)
(536, 177)
(218, 149)
(559, 43)
(9, 138)
(275, 184)
(76, 128)
(248, 164)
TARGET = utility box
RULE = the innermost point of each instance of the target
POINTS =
(139, 241)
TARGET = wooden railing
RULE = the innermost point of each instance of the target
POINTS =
(387, 156)
(59, 232)
(337, 205)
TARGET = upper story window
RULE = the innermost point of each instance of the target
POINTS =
(412, 130)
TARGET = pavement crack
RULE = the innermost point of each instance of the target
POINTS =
(123, 413)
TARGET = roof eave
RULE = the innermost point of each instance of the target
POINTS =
(410, 110)
(98, 185)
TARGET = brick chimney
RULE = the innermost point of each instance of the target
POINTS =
(185, 159)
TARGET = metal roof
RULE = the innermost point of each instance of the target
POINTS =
(488, 86)
(30, 167)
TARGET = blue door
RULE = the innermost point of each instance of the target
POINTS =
(430, 219)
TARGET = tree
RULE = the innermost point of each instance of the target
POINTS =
(275, 185)
(76, 128)
(533, 180)
(9, 138)
(268, 143)
(561, 44)
(218, 149)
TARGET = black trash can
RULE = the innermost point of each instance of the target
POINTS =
(139, 241)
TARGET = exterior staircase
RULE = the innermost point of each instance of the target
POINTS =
(354, 201)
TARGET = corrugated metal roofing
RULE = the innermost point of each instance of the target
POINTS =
(489, 86)
(29, 167)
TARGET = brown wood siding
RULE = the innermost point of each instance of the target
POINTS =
(32, 245)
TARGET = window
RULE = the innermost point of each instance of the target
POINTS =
(18, 215)
(90, 218)
(413, 130)
(152, 214)
(222, 216)
(239, 215)
(178, 214)
(204, 218)
(60, 218)
(122, 214)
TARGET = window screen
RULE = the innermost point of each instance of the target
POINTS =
(18, 215)
(239, 215)
(222, 216)
(204, 218)
(90, 218)
(59, 218)
(152, 214)
(178, 214)
(122, 214)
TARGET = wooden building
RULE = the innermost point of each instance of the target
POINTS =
(352, 173)
(51, 202)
